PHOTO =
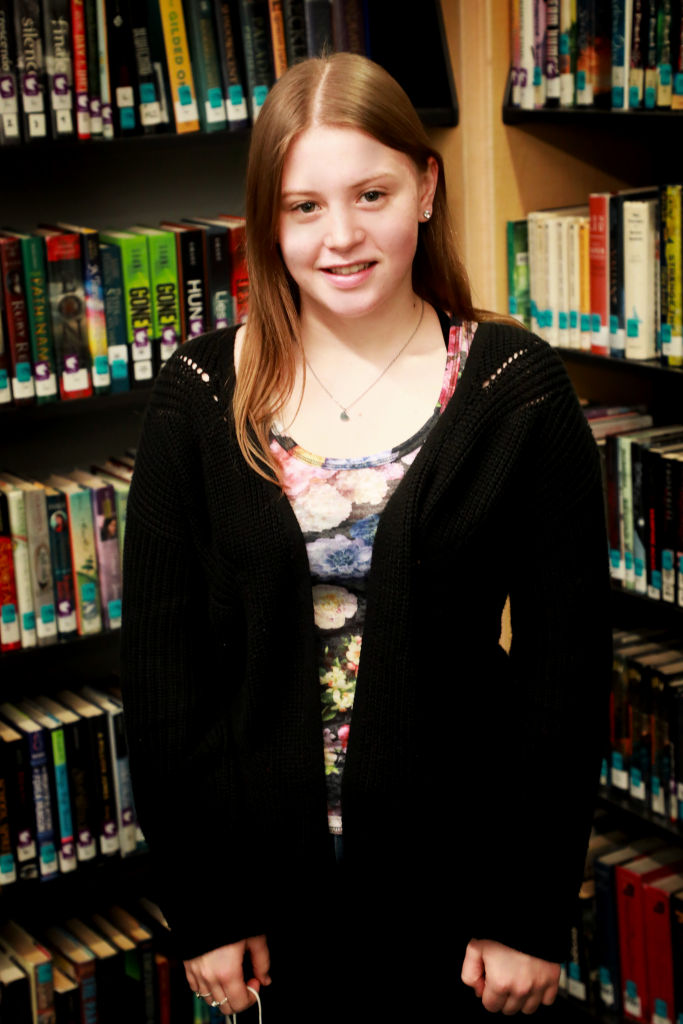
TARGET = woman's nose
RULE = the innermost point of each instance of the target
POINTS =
(343, 231)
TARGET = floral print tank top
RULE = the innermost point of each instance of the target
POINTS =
(337, 503)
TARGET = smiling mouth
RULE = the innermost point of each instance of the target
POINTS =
(353, 268)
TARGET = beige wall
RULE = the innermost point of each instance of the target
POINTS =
(497, 173)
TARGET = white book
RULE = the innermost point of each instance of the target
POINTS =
(551, 245)
(532, 230)
(622, 18)
(525, 73)
(574, 280)
(22, 572)
(39, 558)
(585, 335)
(563, 274)
(640, 226)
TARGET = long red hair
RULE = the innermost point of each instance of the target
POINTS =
(348, 91)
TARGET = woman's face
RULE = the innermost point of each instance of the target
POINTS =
(349, 216)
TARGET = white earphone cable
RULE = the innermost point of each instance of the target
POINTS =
(260, 1018)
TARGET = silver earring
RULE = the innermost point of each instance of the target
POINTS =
(427, 214)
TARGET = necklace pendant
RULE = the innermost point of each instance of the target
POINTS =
(344, 416)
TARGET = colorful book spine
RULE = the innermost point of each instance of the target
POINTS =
(10, 636)
(677, 91)
(31, 68)
(585, 52)
(59, 66)
(567, 52)
(278, 39)
(21, 807)
(200, 31)
(10, 131)
(636, 82)
(239, 281)
(254, 18)
(194, 316)
(94, 312)
(93, 65)
(83, 555)
(107, 548)
(67, 305)
(103, 67)
(16, 320)
(179, 66)
(62, 566)
(115, 317)
(40, 323)
(599, 272)
(137, 301)
(527, 53)
(163, 266)
(540, 80)
(621, 49)
(217, 261)
(233, 73)
(518, 271)
(295, 30)
(42, 581)
(671, 275)
(122, 780)
(665, 38)
(80, 69)
(650, 55)
(552, 54)
(515, 91)
(58, 776)
(22, 572)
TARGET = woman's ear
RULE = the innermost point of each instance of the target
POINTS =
(428, 189)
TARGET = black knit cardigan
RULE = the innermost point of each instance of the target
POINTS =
(471, 774)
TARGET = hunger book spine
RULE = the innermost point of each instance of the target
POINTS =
(16, 321)
(10, 132)
(67, 304)
(31, 68)
(227, 33)
(80, 69)
(59, 66)
(40, 324)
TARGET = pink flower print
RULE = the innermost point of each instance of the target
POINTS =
(343, 733)
(296, 475)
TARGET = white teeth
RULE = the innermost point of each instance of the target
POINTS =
(349, 270)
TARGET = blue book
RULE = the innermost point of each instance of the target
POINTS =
(606, 916)
(40, 784)
(115, 317)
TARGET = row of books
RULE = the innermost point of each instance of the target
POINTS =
(618, 54)
(67, 799)
(104, 967)
(61, 553)
(626, 939)
(606, 277)
(86, 312)
(104, 68)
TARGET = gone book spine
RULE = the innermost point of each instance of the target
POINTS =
(163, 269)
(16, 321)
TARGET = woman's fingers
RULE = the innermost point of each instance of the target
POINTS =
(260, 958)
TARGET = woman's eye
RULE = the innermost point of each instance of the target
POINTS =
(306, 207)
(372, 196)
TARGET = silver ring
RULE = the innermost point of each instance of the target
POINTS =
(223, 1001)
(214, 1003)
(203, 995)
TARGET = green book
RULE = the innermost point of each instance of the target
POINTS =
(163, 271)
(40, 324)
(137, 295)
(518, 272)
(204, 55)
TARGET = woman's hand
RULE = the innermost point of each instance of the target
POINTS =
(220, 973)
(507, 980)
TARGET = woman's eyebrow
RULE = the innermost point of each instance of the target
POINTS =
(380, 175)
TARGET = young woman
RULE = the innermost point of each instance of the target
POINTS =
(339, 769)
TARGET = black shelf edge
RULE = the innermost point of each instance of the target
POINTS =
(631, 609)
(31, 656)
(137, 397)
(639, 815)
(438, 117)
(133, 141)
(576, 355)
(594, 117)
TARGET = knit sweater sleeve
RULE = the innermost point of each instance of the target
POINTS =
(171, 678)
(551, 721)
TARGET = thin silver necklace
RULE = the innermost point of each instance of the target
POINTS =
(344, 408)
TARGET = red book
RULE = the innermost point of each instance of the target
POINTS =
(660, 968)
(80, 69)
(10, 640)
(15, 319)
(240, 277)
(163, 987)
(630, 879)
(599, 272)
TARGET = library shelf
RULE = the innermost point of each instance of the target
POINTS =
(631, 610)
(591, 117)
(648, 366)
(637, 817)
(106, 640)
(17, 414)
